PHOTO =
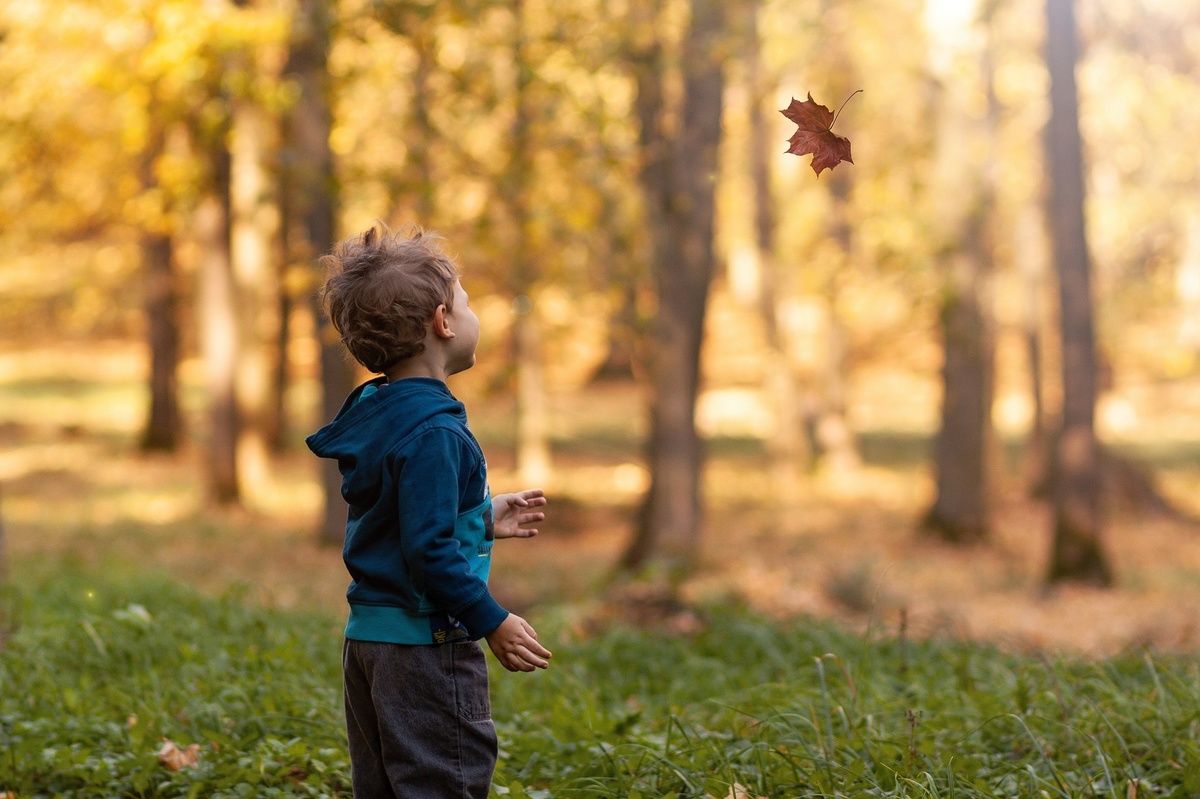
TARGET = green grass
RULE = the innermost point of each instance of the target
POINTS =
(100, 670)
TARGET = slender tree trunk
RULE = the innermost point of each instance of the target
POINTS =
(964, 205)
(1187, 286)
(164, 422)
(315, 198)
(620, 364)
(163, 426)
(1077, 554)
(1030, 235)
(672, 518)
(960, 509)
(533, 430)
(254, 227)
(648, 62)
(218, 319)
(3, 561)
(423, 130)
(277, 415)
(788, 446)
(411, 191)
(619, 271)
(6, 624)
(835, 439)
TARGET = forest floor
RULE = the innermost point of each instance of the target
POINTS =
(841, 546)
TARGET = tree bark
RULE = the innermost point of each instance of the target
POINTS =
(7, 625)
(254, 225)
(964, 206)
(959, 513)
(648, 63)
(1030, 235)
(835, 441)
(533, 431)
(218, 320)
(277, 417)
(315, 199)
(163, 427)
(788, 446)
(670, 532)
(1077, 555)
(1187, 286)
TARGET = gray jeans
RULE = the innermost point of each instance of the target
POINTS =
(419, 721)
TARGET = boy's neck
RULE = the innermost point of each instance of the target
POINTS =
(417, 366)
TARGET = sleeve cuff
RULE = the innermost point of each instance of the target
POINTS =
(482, 616)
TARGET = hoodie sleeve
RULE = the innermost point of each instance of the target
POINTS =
(431, 471)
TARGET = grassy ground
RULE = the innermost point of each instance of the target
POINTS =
(102, 671)
(830, 650)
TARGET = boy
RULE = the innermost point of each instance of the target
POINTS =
(420, 527)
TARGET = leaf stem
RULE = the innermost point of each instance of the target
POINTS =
(843, 105)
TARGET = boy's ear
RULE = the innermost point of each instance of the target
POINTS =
(441, 328)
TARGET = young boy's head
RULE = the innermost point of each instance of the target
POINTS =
(383, 290)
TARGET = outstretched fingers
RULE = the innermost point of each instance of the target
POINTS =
(515, 645)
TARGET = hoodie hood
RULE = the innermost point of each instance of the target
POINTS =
(374, 419)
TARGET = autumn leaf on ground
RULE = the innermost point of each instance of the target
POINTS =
(174, 758)
(813, 134)
(737, 791)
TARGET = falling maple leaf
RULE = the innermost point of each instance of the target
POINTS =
(814, 135)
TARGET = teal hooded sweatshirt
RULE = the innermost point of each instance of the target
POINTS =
(419, 527)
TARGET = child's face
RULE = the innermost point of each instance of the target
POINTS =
(465, 324)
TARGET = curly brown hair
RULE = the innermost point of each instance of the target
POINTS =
(382, 289)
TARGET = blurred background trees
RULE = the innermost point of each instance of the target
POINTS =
(612, 177)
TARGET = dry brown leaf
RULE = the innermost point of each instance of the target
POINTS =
(737, 791)
(174, 758)
(813, 134)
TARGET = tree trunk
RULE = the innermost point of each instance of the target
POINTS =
(1187, 287)
(3, 561)
(835, 439)
(163, 423)
(277, 416)
(1077, 552)
(218, 319)
(960, 509)
(7, 625)
(620, 362)
(253, 230)
(423, 130)
(963, 208)
(411, 191)
(670, 533)
(648, 63)
(533, 430)
(788, 446)
(163, 426)
(315, 200)
(1030, 250)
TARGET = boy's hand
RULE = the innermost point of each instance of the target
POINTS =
(514, 643)
(510, 511)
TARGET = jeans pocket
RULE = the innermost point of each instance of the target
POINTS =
(471, 681)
